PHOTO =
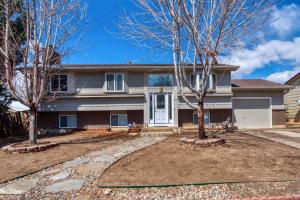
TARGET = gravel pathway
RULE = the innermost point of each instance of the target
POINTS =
(72, 179)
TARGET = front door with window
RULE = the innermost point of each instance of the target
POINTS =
(161, 109)
(161, 112)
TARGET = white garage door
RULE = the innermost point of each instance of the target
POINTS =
(251, 113)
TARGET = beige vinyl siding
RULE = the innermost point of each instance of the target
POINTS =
(210, 102)
(94, 104)
(277, 96)
(223, 84)
(293, 110)
(89, 83)
(136, 82)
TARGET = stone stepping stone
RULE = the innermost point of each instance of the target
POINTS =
(19, 187)
(76, 162)
(61, 175)
(65, 186)
(105, 159)
(48, 172)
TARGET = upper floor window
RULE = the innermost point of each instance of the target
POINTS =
(115, 82)
(59, 83)
(160, 80)
(195, 80)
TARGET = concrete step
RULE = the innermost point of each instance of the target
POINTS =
(156, 133)
(159, 129)
(293, 125)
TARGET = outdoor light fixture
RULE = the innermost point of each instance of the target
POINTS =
(298, 102)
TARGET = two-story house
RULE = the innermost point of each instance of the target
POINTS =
(96, 96)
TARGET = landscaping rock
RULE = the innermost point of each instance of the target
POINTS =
(65, 186)
(61, 175)
(76, 162)
(19, 187)
(83, 197)
(105, 159)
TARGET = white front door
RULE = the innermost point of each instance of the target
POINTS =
(161, 109)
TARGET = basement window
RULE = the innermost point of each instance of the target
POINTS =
(67, 121)
(206, 118)
(118, 120)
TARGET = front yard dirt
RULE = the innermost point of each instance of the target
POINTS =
(14, 165)
(243, 158)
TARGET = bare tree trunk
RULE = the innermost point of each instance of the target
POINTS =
(201, 128)
(32, 127)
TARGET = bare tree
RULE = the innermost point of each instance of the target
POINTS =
(49, 25)
(196, 32)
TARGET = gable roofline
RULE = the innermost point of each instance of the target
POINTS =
(288, 82)
(135, 66)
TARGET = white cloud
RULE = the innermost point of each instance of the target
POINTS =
(282, 77)
(272, 51)
(285, 20)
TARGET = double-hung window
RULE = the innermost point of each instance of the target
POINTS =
(67, 121)
(195, 80)
(118, 120)
(59, 83)
(115, 82)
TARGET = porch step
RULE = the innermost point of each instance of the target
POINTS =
(293, 125)
(156, 133)
(159, 129)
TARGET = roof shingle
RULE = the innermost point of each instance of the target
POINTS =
(257, 84)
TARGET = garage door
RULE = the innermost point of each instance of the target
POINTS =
(251, 113)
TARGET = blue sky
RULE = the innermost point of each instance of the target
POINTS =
(276, 58)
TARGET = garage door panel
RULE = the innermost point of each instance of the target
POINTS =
(251, 113)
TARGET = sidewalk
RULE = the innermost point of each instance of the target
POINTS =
(287, 137)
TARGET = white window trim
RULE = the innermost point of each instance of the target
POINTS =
(114, 74)
(59, 91)
(205, 112)
(67, 116)
(111, 114)
(148, 78)
(197, 81)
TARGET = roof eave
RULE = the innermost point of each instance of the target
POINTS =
(255, 88)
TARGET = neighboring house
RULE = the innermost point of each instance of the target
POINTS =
(95, 96)
(292, 100)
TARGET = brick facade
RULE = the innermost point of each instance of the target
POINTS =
(86, 119)
(136, 116)
(185, 116)
(220, 115)
(47, 120)
(93, 119)
(278, 117)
